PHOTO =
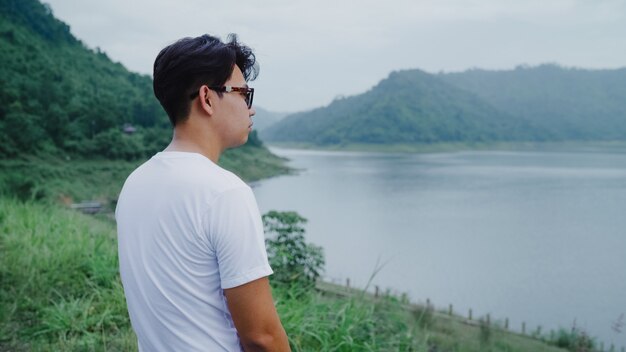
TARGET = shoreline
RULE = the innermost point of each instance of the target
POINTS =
(564, 146)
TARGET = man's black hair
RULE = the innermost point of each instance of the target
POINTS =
(181, 68)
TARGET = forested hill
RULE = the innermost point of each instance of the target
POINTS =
(58, 97)
(572, 104)
(413, 107)
(407, 107)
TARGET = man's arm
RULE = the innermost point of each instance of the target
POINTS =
(255, 317)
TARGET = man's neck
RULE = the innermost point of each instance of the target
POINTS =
(184, 140)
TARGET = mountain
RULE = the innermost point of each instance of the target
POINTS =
(59, 97)
(568, 103)
(264, 118)
(408, 107)
(543, 103)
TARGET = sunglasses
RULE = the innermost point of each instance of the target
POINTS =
(247, 92)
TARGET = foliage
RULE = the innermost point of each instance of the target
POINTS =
(294, 261)
(36, 17)
(575, 340)
(59, 97)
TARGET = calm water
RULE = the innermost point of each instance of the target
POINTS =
(538, 237)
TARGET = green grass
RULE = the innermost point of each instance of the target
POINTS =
(60, 288)
(430, 330)
(60, 291)
(67, 181)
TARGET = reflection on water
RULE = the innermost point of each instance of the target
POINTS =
(537, 237)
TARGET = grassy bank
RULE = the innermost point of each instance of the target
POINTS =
(60, 291)
(52, 179)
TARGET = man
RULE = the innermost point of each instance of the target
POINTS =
(191, 245)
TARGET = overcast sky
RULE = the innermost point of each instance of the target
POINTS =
(310, 52)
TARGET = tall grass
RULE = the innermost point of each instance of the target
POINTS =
(60, 291)
(318, 323)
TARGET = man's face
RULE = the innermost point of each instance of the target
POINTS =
(232, 117)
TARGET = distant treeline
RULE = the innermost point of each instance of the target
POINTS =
(544, 103)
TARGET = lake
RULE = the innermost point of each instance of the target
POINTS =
(535, 236)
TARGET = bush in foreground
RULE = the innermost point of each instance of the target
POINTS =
(294, 261)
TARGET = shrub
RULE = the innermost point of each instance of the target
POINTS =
(576, 341)
(294, 261)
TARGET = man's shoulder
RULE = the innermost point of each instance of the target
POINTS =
(216, 177)
(179, 169)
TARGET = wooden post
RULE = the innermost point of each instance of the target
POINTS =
(506, 324)
(405, 298)
(387, 292)
(470, 314)
(427, 303)
(348, 282)
(538, 330)
(552, 333)
(376, 289)
(488, 319)
(523, 328)
(450, 310)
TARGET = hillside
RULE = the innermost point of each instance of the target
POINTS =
(569, 103)
(408, 107)
(544, 103)
(60, 97)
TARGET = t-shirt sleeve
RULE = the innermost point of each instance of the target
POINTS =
(235, 232)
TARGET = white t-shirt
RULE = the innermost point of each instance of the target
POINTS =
(187, 229)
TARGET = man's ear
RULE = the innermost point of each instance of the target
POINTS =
(205, 99)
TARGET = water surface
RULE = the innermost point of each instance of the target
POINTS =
(538, 237)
